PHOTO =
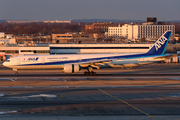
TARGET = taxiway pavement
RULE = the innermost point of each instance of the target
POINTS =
(142, 93)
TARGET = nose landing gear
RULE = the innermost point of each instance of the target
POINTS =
(90, 71)
(16, 72)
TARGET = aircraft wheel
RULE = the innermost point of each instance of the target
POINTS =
(90, 73)
(93, 73)
(86, 73)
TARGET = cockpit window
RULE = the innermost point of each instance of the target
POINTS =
(8, 61)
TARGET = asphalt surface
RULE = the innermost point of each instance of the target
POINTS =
(146, 93)
(141, 102)
(82, 75)
(146, 70)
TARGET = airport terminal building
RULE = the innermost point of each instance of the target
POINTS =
(8, 51)
(98, 48)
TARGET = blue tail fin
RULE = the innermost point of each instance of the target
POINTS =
(161, 44)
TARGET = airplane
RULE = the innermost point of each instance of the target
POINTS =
(73, 63)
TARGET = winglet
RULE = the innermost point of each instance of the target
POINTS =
(161, 44)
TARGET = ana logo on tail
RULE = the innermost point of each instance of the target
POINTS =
(160, 42)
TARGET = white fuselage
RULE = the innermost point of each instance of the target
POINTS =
(58, 61)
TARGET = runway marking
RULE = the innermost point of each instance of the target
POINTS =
(37, 96)
(2, 94)
(127, 104)
(176, 95)
(7, 112)
(168, 96)
(6, 79)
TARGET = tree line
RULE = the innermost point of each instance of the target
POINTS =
(40, 28)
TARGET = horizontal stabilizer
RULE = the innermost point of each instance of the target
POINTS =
(166, 57)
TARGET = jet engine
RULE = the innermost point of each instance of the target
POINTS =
(71, 68)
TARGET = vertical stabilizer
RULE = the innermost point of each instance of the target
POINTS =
(161, 44)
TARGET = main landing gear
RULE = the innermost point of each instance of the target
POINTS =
(89, 72)
(16, 73)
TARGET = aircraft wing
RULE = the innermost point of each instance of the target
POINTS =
(95, 63)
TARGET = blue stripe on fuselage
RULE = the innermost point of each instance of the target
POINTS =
(94, 59)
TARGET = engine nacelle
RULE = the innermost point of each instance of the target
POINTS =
(71, 68)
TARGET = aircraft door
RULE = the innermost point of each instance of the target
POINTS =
(18, 61)
(43, 60)
(80, 59)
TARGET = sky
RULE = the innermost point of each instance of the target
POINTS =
(164, 10)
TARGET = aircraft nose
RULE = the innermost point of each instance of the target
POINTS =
(5, 64)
